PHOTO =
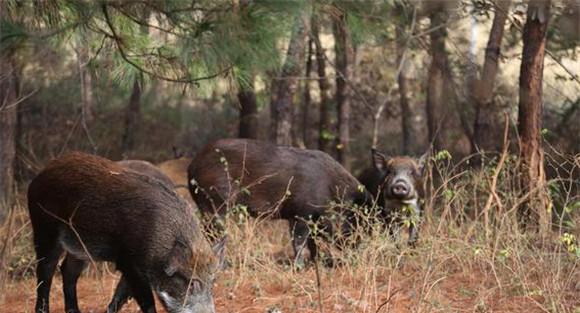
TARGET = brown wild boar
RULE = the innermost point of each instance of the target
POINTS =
(275, 181)
(176, 170)
(94, 210)
(397, 184)
(146, 168)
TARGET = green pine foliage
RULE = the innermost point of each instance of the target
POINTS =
(167, 40)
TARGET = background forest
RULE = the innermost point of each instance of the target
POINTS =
(490, 86)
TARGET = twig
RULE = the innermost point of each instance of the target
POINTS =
(5, 106)
(388, 300)
(69, 223)
(493, 185)
(318, 284)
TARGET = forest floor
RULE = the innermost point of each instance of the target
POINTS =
(458, 293)
(439, 276)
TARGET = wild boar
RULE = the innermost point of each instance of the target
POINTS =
(146, 168)
(274, 181)
(397, 185)
(95, 210)
(176, 170)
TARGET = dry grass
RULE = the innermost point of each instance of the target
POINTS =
(455, 268)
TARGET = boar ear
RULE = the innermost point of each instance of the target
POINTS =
(219, 249)
(177, 256)
(422, 162)
(379, 160)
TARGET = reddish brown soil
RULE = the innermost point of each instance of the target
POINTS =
(457, 293)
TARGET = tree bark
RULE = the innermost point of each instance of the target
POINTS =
(249, 123)
(487, 127)
(86, 82)
(344, 57)
(436, 102)
(307, 98)
(8, 125)
(273, 88)
(403, 82)
(324, 125)
(132, 117)
(133, 111)
(287, 84)
(535, 211)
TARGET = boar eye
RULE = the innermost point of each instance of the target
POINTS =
(180, 279)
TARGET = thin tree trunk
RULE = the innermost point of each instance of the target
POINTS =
(487, 126)
(8, 125)
(249, 123)
(273, 88)
(344, 57)
(287, 84)
(533, 212)
(307, 100)
(86, 82)
(324, 125)
(133, 111)
(436, 98)
(403, 82)
(132, 117)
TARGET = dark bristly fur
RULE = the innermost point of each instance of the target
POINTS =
(95, 210)
(146, 168)
(260, 175)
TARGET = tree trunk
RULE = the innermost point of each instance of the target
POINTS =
(8, 124)
(86, 82)
(132, 117)
(273, 88)
(324, 125)
(403, 82)
(287, 84)
(534, 212)
(487, 127)
(436, 98)
(307, 99)
(344, 57)
(249, 123)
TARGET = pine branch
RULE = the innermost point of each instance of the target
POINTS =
(121, 48)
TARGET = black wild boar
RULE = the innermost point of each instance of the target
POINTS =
(397, 185)
(146, 168)
(94, 210)
(274, 181)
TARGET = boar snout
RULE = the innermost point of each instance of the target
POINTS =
(201, 303)
(400, 189)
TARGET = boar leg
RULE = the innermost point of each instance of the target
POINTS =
(122, 294)
(300, 235)
(140, 289)
(71, 269)
(48, 252)
(413, 235)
